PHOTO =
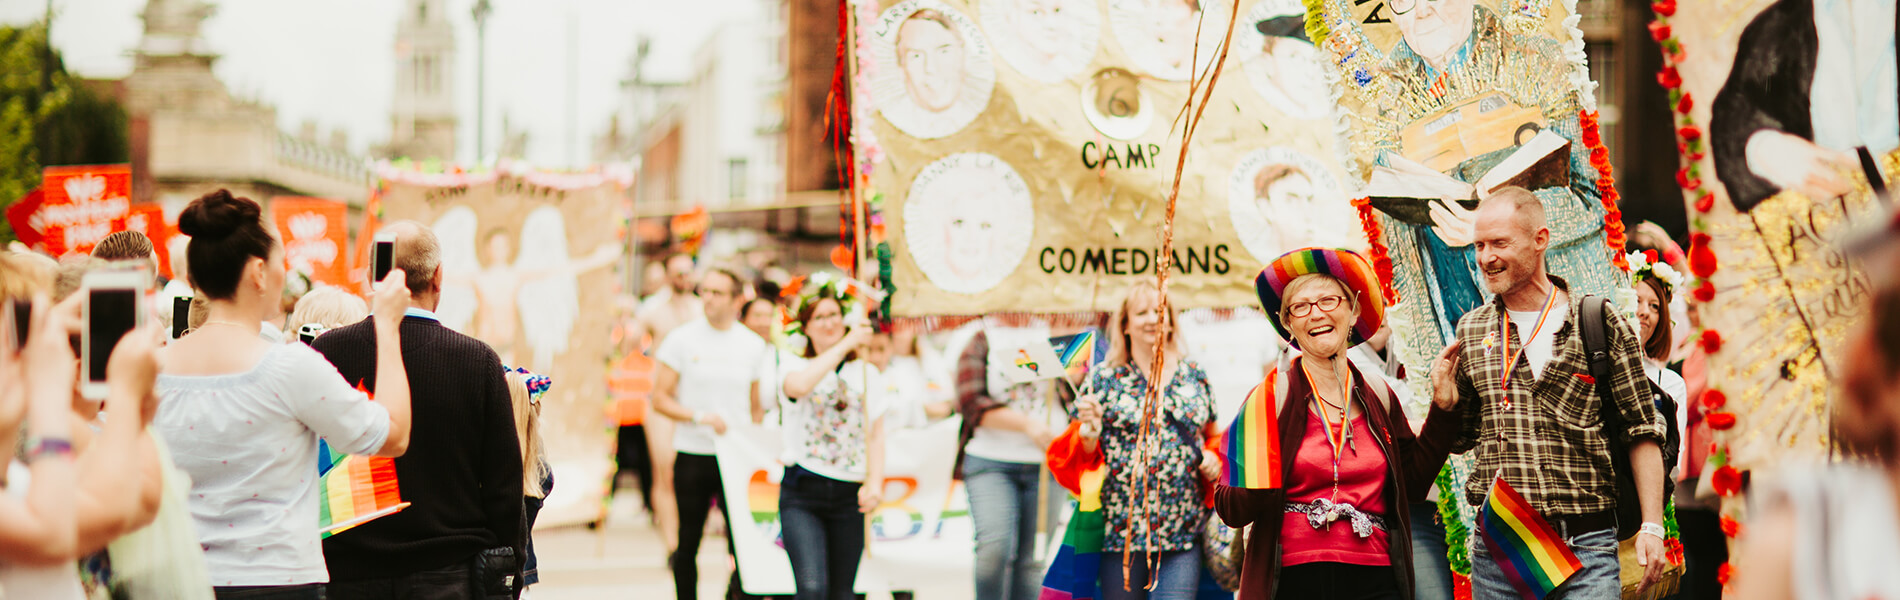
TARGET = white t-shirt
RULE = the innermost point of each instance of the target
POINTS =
(716, 370)
(249, 442)
(1672, 384)
(909, 390)
(826, 431)
(1538, 349)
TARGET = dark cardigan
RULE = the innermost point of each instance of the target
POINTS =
(1412, 465)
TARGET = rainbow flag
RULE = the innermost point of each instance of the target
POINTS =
(1076, 351)
(355, 490)
(1533, 558)
(1250, 450)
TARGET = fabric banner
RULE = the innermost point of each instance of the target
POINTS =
(921, 533)
(315, 237)
(1443, 101)
(1801, 129)
(521, 254)
(80, 205)
(1025, 150)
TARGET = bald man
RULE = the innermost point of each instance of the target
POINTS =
(462, 473)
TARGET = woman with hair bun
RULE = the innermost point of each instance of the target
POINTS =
(243, 415)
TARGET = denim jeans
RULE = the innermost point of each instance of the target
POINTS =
(1180, 576)
(1601, 577)
(823, 531)
(1431, 568)
(1003, 505)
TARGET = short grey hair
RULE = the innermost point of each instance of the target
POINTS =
(330, 307)
(418, 254)
(1528, 208)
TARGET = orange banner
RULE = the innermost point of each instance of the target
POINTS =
(82, 205)
(315, 237)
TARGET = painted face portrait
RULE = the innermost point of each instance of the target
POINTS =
(1281, 200)
(1173, 24)
(1435, 29)
(968, 220)
(1044, 28)
(1158, 36)
(1045, 40)
(931, 55)
(934, 70)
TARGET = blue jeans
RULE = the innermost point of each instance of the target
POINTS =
(823, 531)
(1601, 577)
(1003, 505)
(1431, 568)
(1180, 576)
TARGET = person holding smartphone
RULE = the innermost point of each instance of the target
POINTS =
(243, 415)
(37, 528)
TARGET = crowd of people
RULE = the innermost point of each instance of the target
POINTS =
(166, 487)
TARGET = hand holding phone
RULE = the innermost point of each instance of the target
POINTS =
(382, 257)
(112, 309)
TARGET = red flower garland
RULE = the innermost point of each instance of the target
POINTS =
(1724, 572)
(1705, 291)
(1380, 255)
(1460, 587)
(1711, 341)
(1614, 234)
(1701, 259)
(1721, 421)
(1713, 399)
(1731, 527)
(1727, 481)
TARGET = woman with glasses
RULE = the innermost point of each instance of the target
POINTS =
(834, 445)
(1332, 521)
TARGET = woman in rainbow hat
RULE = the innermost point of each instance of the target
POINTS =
(1328, 500)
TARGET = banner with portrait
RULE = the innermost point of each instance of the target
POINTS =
(1024, 149)
(1444, 101)
(921, 533)
(1801, 131)
(522, 253)
(315, 237)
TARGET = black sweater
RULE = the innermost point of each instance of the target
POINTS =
(462, 473)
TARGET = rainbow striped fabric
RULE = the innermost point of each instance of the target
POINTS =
(1250, 450)
(1533, 558)
(1344, 264)
(1076, 351)
(353, 490)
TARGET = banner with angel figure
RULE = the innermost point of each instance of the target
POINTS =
(1025, 148)
(522, 253)
(1787, 147)
(1444, 101)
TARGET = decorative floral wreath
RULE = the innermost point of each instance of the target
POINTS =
(538, 384)
(809, 289)
(1643, 265)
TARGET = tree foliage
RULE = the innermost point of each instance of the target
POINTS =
(48, 117)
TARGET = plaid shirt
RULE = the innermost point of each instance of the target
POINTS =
(1549, 443)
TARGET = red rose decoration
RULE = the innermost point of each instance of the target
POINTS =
(1699, 238)
(1705, 292)
(1731, 527)
(1659, 30)
(1650, 255)
(1685, 104)
(1665, 8)
(1705, 202)
(1721, 421)
(1687, 179)
(1724, 572)
(1689, 132)
(1726, 481)
(1714, 399)
(1711, 341)
(1701, 259)
(1669, 78)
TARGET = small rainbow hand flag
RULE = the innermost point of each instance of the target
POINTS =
(1250, 450)
(356, 490)
(1532, 556)
(1076, 351)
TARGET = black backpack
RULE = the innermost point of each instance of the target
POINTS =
(1593, 323)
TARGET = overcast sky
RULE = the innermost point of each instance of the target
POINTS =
(330, 61)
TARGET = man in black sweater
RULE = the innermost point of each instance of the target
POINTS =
(462, 474)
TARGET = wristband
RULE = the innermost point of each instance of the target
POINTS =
(42, 446)
(1654, 529)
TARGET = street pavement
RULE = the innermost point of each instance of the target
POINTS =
(625, 559)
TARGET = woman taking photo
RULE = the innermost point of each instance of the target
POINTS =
(1333, 522)
(243, 415)
(1152, 496)
(834, 446)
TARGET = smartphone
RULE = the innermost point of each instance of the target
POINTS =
(111, 310)
(20, 315)
(181, 316)
(309, 332)
(382, 257)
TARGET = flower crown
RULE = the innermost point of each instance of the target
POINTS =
(537, 384)
(1643, 265)
(809, 289)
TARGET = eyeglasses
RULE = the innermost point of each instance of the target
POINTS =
(1400, 7)
(1325, 304)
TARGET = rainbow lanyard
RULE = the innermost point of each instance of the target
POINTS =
(1510, 357)
(1338, 445)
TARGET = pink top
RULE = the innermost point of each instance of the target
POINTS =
(1361, 484)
